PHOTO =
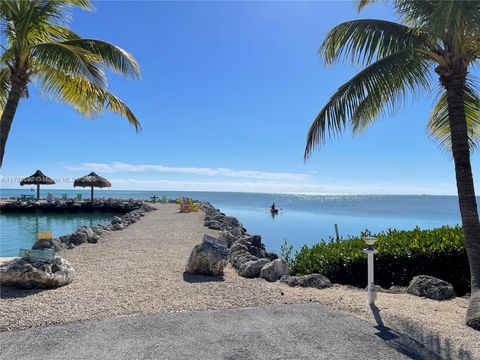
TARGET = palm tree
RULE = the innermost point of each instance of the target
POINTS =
(433, 39)
(37, 46)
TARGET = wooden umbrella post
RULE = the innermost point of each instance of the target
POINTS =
(38, 192)
(91, 195)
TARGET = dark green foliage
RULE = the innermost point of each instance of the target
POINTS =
(401, 255)
(287, 253)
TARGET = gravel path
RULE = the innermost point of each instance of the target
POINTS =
(139, 270)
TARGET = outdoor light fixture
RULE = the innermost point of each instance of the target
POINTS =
(370, 250)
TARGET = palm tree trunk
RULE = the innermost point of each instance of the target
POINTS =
(19, 82)
(454, 83)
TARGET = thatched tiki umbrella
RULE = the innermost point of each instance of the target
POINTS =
(92, 180)
(37, 179)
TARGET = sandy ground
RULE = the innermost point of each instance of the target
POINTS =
(140, 270)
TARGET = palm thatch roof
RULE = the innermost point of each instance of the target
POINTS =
(92, 180)
(38, 178)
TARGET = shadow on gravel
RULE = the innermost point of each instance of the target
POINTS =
(14, 293)
(193, 278)
(417, 344)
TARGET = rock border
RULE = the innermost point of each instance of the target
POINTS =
(246, 253)
(72, 206)
(91, 234)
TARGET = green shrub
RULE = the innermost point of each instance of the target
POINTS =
(401, 255)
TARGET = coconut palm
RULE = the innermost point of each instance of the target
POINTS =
(433, 46)
(37, 46)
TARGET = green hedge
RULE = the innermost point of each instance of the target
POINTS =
(401, 255)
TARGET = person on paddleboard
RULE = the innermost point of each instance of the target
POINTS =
(273, 207)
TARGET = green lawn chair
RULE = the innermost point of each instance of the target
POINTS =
(193, 206)
(64, 197)
(79, 197)
(164, 199)
(28, 198)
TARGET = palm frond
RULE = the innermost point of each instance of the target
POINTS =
(366, 40)
(4, 87)
(70, 60)
(378, 88)
(361, 4)
(438, 126)
(110, 55)
(415, 13)
(23, 22)
(88, 98)
(60, 33)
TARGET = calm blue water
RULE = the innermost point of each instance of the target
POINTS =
(20, 230)
(305, 219)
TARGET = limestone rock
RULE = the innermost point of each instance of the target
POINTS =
(271, 256)
(87, 230)
(216, 226)
(238, 247)
(231, 220)
(274, 270)
(78, 238)
(251, 269)
(98, 229)
(241, 258)
(228, 237)
(317, 281)
(116, 220)
(65, 239)
(256, 251)
(118, 226)
(256, 240)
(431, 287)
(39, 274)
(93, 239)
(207, 259)
(54, 244)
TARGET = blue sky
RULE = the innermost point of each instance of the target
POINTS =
(227, 94)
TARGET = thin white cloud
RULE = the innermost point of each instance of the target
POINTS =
(115, 167)
(330, 187)
(283, 187)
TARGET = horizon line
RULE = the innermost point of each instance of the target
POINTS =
(243, 192)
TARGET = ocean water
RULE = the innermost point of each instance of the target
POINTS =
(303, 219)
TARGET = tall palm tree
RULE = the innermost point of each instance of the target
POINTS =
(37, 46)
(434, 45)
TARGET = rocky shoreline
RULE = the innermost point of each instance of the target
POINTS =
(71, 206)
(246, 253)
(91, 234)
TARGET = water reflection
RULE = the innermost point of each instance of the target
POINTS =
(273, 214)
